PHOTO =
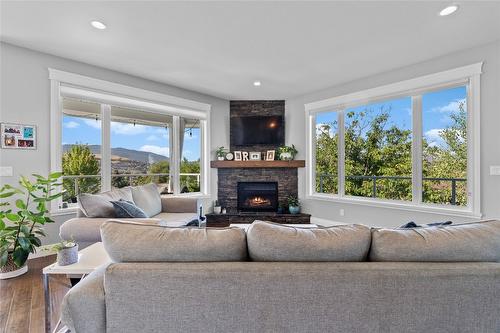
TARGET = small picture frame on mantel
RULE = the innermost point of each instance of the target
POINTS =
(255, 156)
(270, 155)
(237, 155)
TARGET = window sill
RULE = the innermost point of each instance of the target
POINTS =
(64, 211)
(397, 205)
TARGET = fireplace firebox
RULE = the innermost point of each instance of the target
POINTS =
(257, 196)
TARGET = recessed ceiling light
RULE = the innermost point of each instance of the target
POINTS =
(256, 83)
(448, 10)
(98, 25)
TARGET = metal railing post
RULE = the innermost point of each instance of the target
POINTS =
(374, 187)
(453, 192)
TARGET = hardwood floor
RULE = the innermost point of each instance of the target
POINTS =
(22, 307)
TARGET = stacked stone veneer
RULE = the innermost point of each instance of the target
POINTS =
(229, 178)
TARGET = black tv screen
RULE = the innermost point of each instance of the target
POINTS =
(257, 130)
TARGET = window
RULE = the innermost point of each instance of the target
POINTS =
(378, 144)
(190, 155)
(327, 152)
(105, 135)
(81, 146)
(140, 148)
(408, 144)
(444, 144)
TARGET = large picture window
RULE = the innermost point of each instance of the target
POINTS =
(412, 149)
(107, 136)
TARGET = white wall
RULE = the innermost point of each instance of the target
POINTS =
(490, 137)
(25, 98)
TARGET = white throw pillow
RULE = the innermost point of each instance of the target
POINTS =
(147, 197)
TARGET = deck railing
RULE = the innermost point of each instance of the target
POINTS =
(373, 179)
(155, 177)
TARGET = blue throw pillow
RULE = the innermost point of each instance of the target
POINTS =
(127, 209)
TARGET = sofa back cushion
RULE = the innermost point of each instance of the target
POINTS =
(138, 242)
(274, 242)
(147, 197)
(99, 205)
(478, 241)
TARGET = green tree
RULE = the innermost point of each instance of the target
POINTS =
(160, 167)
(80, 161)
(447, 160)
(189, 183)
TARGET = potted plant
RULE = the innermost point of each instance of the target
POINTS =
(217, 207)
(220, 153)
(67, 252)
(281, 208)
(287, 153)
(21, 227)
(293, 204)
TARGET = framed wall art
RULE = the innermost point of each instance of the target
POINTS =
(17, 136)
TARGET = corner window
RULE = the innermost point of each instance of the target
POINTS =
(410, 145)
(106, 135)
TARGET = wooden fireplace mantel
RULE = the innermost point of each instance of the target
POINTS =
(258, 164)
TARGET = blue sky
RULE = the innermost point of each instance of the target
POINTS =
(436, 110)
(139, 137)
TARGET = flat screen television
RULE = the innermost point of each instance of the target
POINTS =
(257, 130)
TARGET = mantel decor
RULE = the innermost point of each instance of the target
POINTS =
(258, 164)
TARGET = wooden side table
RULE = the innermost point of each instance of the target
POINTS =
(89, 259)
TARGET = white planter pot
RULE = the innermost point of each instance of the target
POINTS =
(10, 270)
(67, 256)
(286, 156)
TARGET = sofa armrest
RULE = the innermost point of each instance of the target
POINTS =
(171, 204)
(83, 308)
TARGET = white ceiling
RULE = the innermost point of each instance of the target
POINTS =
(220, 48)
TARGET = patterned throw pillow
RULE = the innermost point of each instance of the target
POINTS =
(127, 209)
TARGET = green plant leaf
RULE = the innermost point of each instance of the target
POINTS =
(13, 217)
(20, 204)
(7, 194)
(2, 225)
(55, 175)
(25, 243)
(4, 255)
(20, 256)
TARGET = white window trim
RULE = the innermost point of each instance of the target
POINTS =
(105, 92)
(469, 75)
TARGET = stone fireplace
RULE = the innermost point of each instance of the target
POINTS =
(229, 180)
(257, 196)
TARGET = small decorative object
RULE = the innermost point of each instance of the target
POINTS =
(16, 136)
(287, 153)
(20, 235)
(270, 155)
(217, 207)
(244, 156)
(223, 210)
(281, 209)
(293, 204)
(255, 156)
(220, 153)
(67, 252)
(237, 155)
(229, 156)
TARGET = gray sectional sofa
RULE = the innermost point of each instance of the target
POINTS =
(94, 210)
(275, 278)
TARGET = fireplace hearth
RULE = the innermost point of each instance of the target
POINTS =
(257, 196)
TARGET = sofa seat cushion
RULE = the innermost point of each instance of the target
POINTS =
(85, 229)
(127, 241)
(274, 242)
(466, 242)
(147, 197)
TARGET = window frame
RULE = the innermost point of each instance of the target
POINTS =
(468, 76)
(66, 84)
